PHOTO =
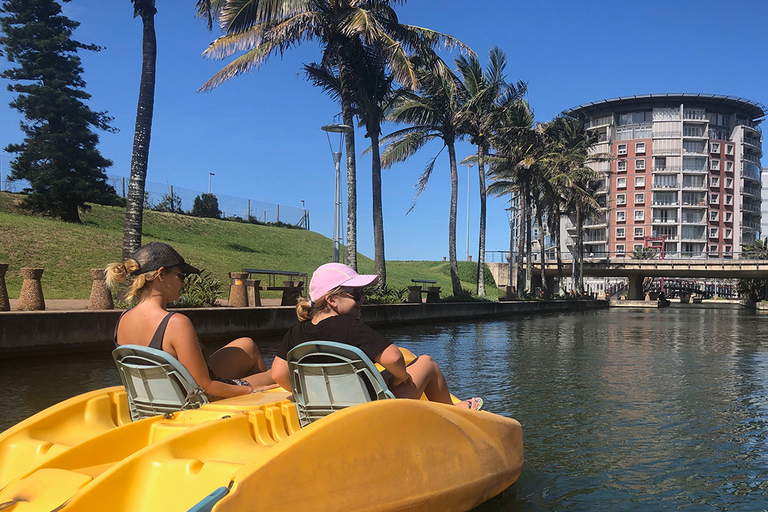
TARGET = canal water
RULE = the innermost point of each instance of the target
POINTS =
(637, 410)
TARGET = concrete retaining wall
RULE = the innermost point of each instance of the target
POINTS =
(49, 332)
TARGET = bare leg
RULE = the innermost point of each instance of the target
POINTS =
(426, 378)
(238, 360)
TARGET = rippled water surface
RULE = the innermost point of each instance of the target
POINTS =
(621, 410)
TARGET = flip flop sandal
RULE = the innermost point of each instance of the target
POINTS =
(476, 401)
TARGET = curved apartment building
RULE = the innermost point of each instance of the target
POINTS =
(685, 177)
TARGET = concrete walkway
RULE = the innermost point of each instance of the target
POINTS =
(82, 304)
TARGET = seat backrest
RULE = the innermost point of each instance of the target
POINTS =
(327, 376)
(156, 382)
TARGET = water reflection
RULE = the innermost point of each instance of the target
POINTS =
(621, 410)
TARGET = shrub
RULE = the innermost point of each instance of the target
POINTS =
(385, 295)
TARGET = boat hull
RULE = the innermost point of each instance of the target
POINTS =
(85, 454)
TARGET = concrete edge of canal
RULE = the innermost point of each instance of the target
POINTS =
(29, 333)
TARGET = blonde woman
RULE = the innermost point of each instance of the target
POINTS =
(333, 314)
(157, 273)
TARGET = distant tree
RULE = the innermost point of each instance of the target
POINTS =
(58, 156)
(170, 202)
(206, 205)
(754, 289)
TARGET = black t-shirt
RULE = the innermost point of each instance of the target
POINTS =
(341, 329)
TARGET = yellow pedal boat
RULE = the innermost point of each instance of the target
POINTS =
(250, 453)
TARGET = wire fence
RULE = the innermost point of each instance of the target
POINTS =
(231, 207)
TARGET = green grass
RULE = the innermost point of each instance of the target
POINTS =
(67, 251)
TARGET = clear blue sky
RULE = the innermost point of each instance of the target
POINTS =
(260, 133)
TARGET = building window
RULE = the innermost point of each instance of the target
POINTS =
(728, 200)
(639, 232)
(728, 234)
(639, 215)
(713, 232)
(621, 232)
(640, 198)
(714, 198)
(714, 165)
(713, 250)
(619, 249)
(728, 182)
(621, 166)
(638, 247)
(728, 149)
(728, 216)
(728, 166)
(621, 149)
(621, 182)
(714, 147)
(621, 216)
(621, 199)
(714, 182)
(727, 249)
(639, 181)
(640, 148)
(640, 164)
(714, 215)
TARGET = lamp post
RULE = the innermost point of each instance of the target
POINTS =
(341, 129)
(209, 180)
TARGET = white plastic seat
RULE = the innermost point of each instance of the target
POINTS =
(327, 376)
(156, 382)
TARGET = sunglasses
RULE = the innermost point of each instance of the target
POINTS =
(355, 294)
(182, 275)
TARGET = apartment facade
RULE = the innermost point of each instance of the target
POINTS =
(685, 177)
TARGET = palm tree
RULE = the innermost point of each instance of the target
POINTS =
(373, 94)
(486, 97)
(262, 28)
(575, 154)
(432, 113)
(134, 210)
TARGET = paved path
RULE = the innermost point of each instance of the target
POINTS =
(81, 304)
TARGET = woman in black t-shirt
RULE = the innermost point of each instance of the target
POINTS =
(333, 314)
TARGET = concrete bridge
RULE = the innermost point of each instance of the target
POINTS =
(637, 270)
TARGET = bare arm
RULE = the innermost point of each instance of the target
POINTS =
(280, 373)
(183, 341)
(392, 360)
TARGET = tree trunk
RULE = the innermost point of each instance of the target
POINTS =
(134, 210)
(454, 266)
(349, 146)
(378, 213)
(543, 250)
(521, 241)
(481, 234)
(577, 257)
(529, 245)
(559, 255)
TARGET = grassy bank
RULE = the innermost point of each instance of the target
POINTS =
(68, 251)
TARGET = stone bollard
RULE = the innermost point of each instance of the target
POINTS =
(238, 295)
(5, 302)
(414, 295)
(101, 298)
(31, 296)
(252, 288)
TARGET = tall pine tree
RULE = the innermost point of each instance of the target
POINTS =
(58, 156)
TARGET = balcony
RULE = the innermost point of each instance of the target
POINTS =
(752, 192)
(665, 186)
(748, 224)
(695, 114)
(666, 151)
(663, 220)
(751, 141)
(751, 208)
(667, 169)
(751, 158)
(749, 124)
(695, 170)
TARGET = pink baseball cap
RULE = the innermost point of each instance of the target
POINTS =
(333, 275)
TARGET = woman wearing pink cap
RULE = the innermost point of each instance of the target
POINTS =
(333, 314)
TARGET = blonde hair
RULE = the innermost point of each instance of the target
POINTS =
(306, 310)
(116, 273)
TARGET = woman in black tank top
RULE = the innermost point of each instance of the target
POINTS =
(157, 273)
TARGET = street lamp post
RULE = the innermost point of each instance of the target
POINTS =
(341, 129)
(209, 180)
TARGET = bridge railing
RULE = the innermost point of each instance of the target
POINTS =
(605, 256)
